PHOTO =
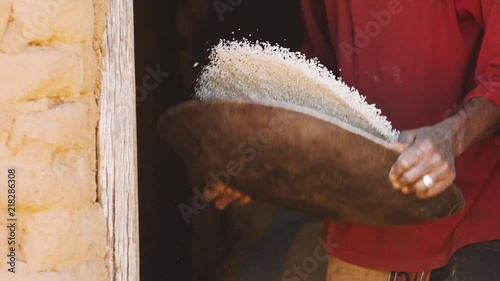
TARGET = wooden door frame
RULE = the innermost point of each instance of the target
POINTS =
(117, 144)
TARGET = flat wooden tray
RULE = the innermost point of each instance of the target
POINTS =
(298, 159)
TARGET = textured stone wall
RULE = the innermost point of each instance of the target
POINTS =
(49, 80)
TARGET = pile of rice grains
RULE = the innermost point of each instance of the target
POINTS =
(242, 70)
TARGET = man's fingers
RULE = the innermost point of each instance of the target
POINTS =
(224, 195)
(244, 200)
(411, 176)
(421, 190)
(438, 188)
(212, 191)
(442, 179)
(435, 190)
(410, 158)
(224, 200)
(405, 145)
(228, 191)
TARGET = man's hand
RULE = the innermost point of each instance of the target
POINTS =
(223, 196)
(426, 151)
(432, 150)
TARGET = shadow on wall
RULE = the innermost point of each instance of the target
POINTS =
(171, 36)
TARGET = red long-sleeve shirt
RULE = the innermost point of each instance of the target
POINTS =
(417, 61)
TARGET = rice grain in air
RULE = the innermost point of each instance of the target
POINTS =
(242, 70)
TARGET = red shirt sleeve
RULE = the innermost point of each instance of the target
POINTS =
(487, 71)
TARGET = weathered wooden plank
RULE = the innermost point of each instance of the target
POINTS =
(117, 144)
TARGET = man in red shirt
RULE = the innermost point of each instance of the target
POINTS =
(433, 68)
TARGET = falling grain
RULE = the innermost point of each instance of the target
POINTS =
(241, 70)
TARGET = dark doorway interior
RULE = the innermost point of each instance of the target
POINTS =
(170, 37)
